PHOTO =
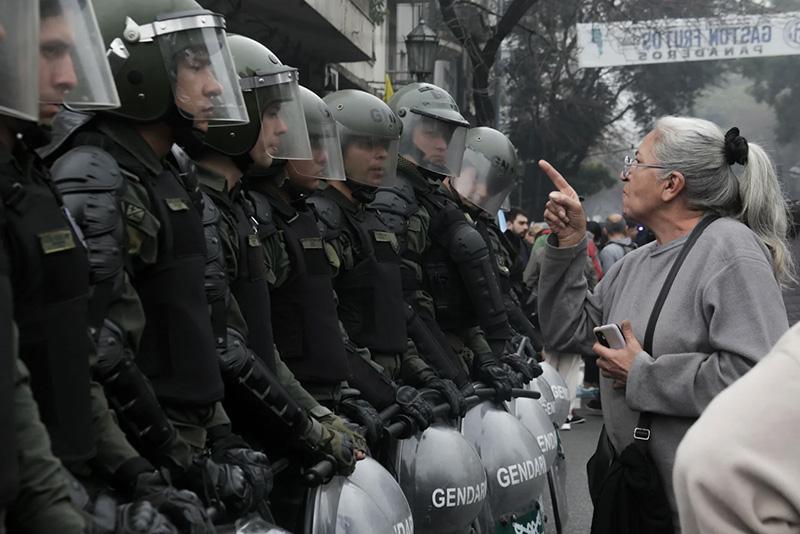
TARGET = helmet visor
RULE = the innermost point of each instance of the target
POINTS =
(368, 160)
(482, 183)
(432, 143)
(19, 51)
(326, 161)
(73, 69)
(283, 125)
(201, 71)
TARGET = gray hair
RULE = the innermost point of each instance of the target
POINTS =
(696, 148)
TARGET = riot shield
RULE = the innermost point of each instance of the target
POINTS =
(515, 466)
(559, 390)
(443, 479)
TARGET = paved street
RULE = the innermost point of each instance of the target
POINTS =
(579, 444)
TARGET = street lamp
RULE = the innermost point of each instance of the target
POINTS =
(421, 44)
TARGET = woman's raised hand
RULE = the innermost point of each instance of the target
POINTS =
(563, 212)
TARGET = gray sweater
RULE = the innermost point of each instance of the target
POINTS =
(723, 314)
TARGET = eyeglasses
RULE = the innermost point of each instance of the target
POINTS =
(631, 162)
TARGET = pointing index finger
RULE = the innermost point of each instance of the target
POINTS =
(559, 181)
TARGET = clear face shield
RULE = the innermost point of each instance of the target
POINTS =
(326, 161)
(195, 51)
(368, 160)
(73, 69)
(283, 126)
(432, 143)
(483, 183)
(19, 57)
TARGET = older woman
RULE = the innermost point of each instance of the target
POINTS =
(724, 311)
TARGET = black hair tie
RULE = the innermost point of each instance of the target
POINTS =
(736, 148)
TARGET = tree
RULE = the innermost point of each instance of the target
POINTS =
(482, 54)
(561, 113)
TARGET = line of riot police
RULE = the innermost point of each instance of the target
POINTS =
(217, 287)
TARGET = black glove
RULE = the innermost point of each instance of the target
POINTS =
(141, 517)
(222, 486)
(528, 352)
(363, 413)
(255, 465)
(413, 408)
(498, 377)
(181, 507)
(519, 364)
(452, 395)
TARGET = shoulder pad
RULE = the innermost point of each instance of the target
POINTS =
(65, 124)
(210, 210)
(86, 168)
(329, 213)
(399, 199)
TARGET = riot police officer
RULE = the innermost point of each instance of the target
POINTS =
(50, 278)
(488, 171)
(449, 277)
(175, 77)
(364, 252)
(255, 374)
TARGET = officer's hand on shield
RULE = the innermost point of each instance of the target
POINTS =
(325, 444)
(452, 395)
(520, 365)
(224, 486)
(141, 517)
(255, 466)
(413, 408)
(182, 507)
(499, 377)
(334, 423)
(363, 413)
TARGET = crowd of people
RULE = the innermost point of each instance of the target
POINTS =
(206, 267)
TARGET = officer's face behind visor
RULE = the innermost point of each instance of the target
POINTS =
(433, 144)
(204, 81)
(19, 53)
(73, 70)
(369, 160)
(283, 134)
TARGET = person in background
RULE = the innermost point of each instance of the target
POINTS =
(516, 230)
(618, 243)
(791, 294)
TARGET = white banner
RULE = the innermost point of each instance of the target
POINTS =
(617, 44)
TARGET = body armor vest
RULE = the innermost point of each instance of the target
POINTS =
(371, 303)
(50, 279)
(304, 315)
(177, 349)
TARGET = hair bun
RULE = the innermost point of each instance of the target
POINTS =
(736, 148)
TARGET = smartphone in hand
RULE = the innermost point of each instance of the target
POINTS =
(610, 335)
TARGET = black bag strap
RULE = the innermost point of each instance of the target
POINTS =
(642, 430)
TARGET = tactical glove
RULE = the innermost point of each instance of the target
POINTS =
(182, 507)
(413, 408)
(222, 486)
(335, 423)
(519, 364)
(364, 414)
(498, 377)
(324, 444)
(255, 465)
(452, 395)
(141, 517)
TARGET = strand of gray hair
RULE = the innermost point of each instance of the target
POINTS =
(696, 147)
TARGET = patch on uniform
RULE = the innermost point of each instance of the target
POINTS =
(333, 257)
(311, 243)
(253, 241)
(56, 241)
(387, 237)
(469, 219)
(176, 204)
(134, 213)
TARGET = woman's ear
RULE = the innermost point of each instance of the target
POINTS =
(672, 186)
